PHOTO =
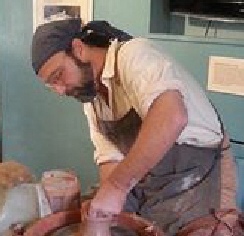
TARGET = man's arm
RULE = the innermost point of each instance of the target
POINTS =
(163, 124)
(160, 129)
(105, 170)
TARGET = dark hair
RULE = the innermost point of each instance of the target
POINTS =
(101, 33)
(94, 38)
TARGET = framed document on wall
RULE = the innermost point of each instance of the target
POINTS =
(45, 11)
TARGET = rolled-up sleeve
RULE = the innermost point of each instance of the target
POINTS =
(147, 74)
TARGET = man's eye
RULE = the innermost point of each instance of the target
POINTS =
(56, 78)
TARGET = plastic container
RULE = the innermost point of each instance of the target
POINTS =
(20, 207)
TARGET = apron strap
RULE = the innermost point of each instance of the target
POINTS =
(221, 126)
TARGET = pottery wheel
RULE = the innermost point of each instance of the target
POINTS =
(68, 224)
(72, 230)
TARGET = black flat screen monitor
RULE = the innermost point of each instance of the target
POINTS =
(209, 8)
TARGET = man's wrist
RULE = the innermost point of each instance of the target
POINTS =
(123, 184)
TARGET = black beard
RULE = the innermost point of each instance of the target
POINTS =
(86, 92)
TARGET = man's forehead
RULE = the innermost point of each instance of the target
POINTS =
(52, 64)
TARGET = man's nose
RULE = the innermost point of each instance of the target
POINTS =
(59, 89)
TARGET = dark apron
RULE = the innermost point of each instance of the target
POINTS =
(184, 185)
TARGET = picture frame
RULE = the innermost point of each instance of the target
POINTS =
(45, 11)
(225, 75)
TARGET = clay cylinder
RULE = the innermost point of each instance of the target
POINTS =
(62, 190)
(97, 227)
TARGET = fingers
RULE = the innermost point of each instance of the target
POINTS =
(100, 214)
(85, 207)
(88, 212)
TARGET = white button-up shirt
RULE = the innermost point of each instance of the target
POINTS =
(134, 79)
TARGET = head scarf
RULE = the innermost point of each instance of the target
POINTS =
(57, 36)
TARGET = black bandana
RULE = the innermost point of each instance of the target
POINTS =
(57, 36)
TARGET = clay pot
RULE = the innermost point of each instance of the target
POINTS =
(52, 223)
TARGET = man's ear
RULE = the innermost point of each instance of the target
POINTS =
(77, 48)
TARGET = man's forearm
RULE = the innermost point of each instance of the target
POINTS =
(160, 129)
(105, 170)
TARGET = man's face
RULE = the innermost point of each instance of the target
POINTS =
(67, 75)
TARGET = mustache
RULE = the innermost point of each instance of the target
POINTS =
(85, 93)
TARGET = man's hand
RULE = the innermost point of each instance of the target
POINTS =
(109, 200)
(85, 207)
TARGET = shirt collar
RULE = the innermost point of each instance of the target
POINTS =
(109, 67)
